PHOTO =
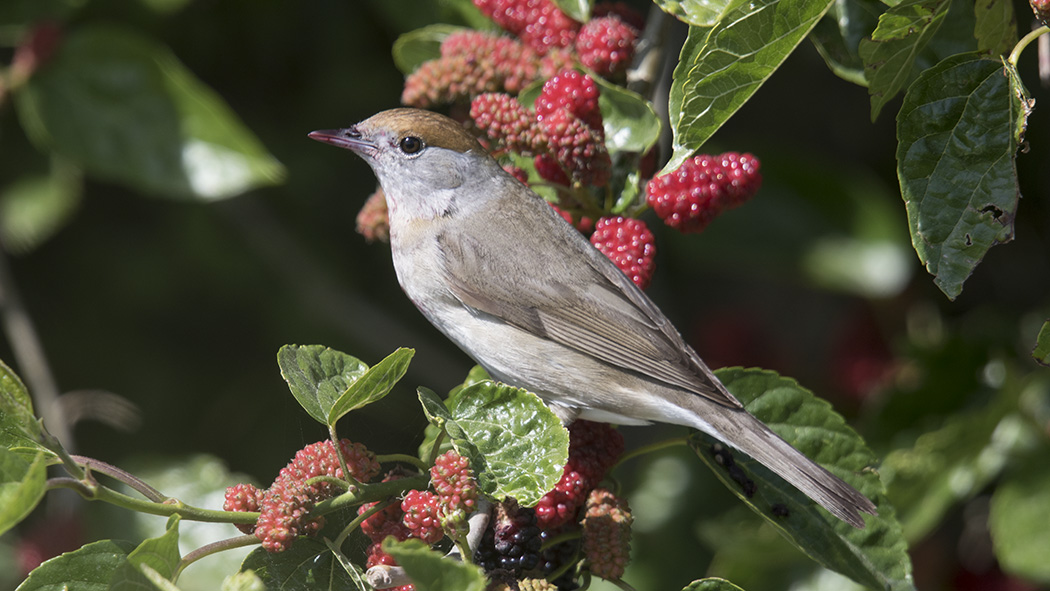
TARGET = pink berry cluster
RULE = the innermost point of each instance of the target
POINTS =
(474, 62)
(285, 506)
(564, 133)
(604, 44)
(628, 243)
(689, 197)
(593, 449)
(607, 533)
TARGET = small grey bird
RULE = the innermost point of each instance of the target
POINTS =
(501, 274)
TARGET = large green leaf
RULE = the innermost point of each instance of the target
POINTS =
(89, 568)
(161, 554)
(875, 556)
(516, 445)
(430, 571)
(22, 486)
(373, 385)
(1020, 512)
(318, 376)
(902, 33)
(721, 67)
(125, 109)
(958, 132)
(699, 13)
(308, 565)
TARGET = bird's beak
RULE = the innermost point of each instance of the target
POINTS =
(349, 138)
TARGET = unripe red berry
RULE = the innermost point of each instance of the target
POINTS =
(421, 516)
(606, 45)
(692, 195)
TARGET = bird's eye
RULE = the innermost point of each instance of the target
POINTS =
(410, 144)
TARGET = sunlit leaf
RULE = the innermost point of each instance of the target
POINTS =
(373, 385)
(318, 376)
(578, 10)
(711, 584)
(721, 67)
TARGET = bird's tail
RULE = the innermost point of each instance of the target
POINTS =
(742, 431)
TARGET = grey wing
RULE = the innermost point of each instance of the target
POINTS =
(578, 299)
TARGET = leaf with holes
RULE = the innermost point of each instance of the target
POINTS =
(958, 132)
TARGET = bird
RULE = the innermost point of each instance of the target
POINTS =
(501, 274)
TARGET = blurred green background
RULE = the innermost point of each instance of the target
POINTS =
(179, 306)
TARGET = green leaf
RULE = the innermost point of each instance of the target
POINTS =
(16, 407)
(711, 584)
(996, 29)
(889, 56)
(577, 10)
(373, 385)
(1041, 352)
(155, 579)
(837, 36)
(523, 445)
(165, 6)
(721, 67)
(161, 554)
(875, 556)
(35, 207)
(22, 486)
(1020, 512)
(307, 565)
(430, 571)
(517, 447)
(421, 45)
(122, 107)
(434, 403)
(88, 568)
(958, 133)
(699, 13)
(631, 123)
(318, 376)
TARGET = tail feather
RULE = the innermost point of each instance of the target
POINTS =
(749, 435)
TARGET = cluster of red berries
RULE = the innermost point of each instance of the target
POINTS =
(593, 449)
(564, 133)
(605, 43)
(689, 197)
(285, 506)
